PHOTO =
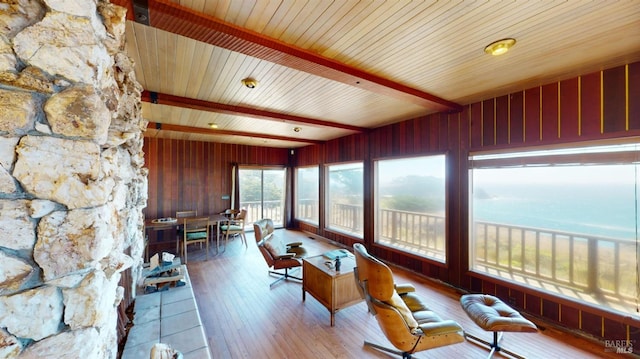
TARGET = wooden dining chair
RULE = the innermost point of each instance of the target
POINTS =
(235, 226)
(180, 216)
(195, 230)
(230, 212)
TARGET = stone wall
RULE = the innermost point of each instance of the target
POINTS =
(72, 182)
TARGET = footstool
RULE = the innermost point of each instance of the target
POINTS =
(493, 315)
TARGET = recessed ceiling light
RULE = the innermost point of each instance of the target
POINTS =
(250, 83)
(500, 47)
(297, 129)
(213, 125)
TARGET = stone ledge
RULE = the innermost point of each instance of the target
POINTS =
(169, 317)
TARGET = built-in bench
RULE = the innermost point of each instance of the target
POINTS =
(169, 317)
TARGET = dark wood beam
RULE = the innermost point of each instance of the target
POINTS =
(184, 102)
(183, 21)
(216, 132)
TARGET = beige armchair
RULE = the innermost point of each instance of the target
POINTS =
(404, 317)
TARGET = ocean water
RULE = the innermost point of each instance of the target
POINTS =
(579, 208)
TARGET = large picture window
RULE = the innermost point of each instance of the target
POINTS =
(307, 189)
(345, 198)
(410, 206)
(564, 221)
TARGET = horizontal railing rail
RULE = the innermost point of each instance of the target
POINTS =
(262, 209)
(421, 233)
(599, 266)
(596, 265)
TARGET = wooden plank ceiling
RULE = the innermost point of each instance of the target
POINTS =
(333, 68)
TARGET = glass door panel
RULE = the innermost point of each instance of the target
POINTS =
(262, 194)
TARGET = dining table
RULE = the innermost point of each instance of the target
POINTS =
(168, 223)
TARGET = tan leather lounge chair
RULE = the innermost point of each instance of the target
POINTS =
(403, 316)
(277, 254)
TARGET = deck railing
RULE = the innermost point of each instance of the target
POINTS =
(598, 266)
(595, 265)
(262, 209)
(421, 233)
(347, 218)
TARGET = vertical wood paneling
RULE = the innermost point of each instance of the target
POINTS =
(476, 125)
(533, 304)
(591, 323)
(550, 105)
(518, 296)
(502, 120)
(454, 178)
(516, 115)
(488, 123)
(425, 135)
(532, 115)
(489, 287)
(633, 96)
(418, 139)
(502, 292)
(195, 175)
(614, 99)
(614, 329)
(569, 316)
(590, 104)
(551, 310)
(442, 122)
(432, 132)
(569, 109)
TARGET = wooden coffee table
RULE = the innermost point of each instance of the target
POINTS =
(334, 290)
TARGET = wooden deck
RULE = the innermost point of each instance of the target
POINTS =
(243, 318)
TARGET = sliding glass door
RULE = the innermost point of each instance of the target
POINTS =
(262, 193)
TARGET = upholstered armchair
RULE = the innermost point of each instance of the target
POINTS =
(277, 254)
(403, 316)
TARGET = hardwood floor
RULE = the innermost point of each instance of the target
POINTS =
(243, 318)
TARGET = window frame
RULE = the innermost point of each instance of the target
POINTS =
(297, 195)
(441, 225)
(588, 153)
(328, 203)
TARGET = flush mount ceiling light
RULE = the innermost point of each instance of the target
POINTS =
(213, 125)
(250, 83)
(500, 47)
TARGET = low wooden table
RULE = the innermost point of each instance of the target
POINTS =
(334, 290)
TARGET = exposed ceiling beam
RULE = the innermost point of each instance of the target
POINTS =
(184, 102)
(183, 21)
(217, 132)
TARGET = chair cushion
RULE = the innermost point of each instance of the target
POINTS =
(232, 227)
(492, 314)
(196, 235)
(401, 306)
(273, 248)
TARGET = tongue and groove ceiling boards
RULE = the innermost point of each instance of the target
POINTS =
(334, 68)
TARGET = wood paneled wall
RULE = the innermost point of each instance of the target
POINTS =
(601, 105)
(187, 175)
